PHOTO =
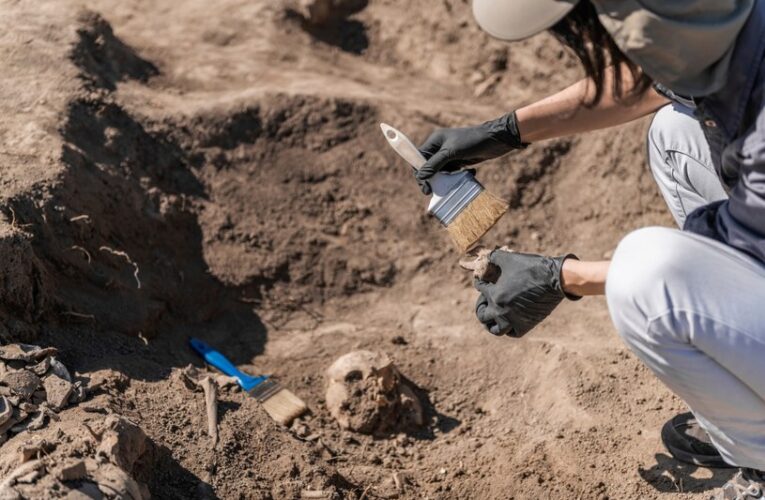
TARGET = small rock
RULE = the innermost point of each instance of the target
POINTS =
(21, 382)
(8, 493)
(86, 491)
(72, 470)
(115, 482)
(31, 424)
(41, 368)
(30, 477)
(24, 352)
(78, 393)
(301, 430)
(57, 391)
(398, 340)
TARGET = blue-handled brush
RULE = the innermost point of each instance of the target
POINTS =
(281, 404)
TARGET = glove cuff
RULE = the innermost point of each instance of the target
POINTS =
(505, 129)
(559, 283)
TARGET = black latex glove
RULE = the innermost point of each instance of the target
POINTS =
(449, 149)
(526, 292)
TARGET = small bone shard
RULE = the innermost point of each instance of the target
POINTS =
(211, 396)
(196, 379)
(477, 260)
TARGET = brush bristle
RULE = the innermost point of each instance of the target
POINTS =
(284, 406)
(476, 219)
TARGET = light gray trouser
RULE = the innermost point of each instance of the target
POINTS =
(693, 309)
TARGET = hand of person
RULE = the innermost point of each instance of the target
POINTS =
(526, 292)
(450, 149)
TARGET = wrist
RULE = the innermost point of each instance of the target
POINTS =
(505, 129)
(580, 278)
(568, 280)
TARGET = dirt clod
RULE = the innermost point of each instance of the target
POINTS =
(22, 383)
(72, 470)
(27, 401)
(57, 391)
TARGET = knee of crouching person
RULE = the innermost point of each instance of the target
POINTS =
(641, 264)
(659, 127)
(666, 128)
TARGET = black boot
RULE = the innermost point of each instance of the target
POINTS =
(687, 442)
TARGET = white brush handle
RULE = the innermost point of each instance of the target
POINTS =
(403, 146)
(441, 183)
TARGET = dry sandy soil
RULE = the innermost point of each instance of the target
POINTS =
(232, 153)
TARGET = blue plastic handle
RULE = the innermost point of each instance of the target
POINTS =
(221, 362)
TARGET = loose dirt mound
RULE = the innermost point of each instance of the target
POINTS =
(216, 170)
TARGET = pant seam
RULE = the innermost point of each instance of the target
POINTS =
(677, 189)
(692, 157)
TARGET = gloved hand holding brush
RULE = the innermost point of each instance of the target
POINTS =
(450, 149)
(525, 293)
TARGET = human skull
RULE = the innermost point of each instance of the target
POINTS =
(366, 393)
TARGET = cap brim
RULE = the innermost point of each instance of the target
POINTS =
(519, 19)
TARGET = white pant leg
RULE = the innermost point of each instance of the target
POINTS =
(693, 310)
(681, 163)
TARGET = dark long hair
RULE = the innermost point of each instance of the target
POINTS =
(582, 32)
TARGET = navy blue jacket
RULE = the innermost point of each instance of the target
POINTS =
(733, 120)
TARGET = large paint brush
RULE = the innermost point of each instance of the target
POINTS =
(459, 201)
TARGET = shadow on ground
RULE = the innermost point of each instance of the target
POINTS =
(670, 476)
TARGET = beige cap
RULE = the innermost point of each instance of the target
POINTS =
(518, 19)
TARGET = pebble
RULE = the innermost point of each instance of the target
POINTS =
(22, 382)
(73, 470)
(57, 391)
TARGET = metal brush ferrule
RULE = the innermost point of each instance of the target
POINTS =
(455, 201)
(265, 390)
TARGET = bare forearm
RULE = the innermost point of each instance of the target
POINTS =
(583, 277)
(565, 114)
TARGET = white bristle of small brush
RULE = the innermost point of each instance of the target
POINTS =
(476, 219)
(284, 406)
